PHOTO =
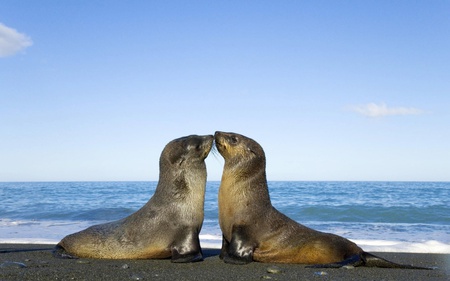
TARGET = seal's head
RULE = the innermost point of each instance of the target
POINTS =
(240, 153)
(186, 151)
(182, 162)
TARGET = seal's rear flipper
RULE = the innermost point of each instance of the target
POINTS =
(369, 260)
(374, 261)
(354, 260)
(61, 253)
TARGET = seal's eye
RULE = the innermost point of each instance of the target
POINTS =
(234, 140)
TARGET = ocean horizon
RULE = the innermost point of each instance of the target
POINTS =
(377, 215)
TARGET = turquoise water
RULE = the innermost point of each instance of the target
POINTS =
(410, 215)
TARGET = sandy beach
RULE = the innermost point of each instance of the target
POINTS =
(36, 262)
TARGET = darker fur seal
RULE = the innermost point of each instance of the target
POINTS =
(168, 225)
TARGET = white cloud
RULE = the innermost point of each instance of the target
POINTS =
(381, 110)
(11, 41)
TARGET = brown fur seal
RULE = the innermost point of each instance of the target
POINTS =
(168, 225)
(253, 230)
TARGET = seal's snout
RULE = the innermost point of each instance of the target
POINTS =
(209, 139)
(207, 145)
(222, 137)
(218, 138)
(217, 135)
(219, 141)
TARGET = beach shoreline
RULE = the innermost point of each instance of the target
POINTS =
(36, 262)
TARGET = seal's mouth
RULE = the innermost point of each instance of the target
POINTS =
(219, 146)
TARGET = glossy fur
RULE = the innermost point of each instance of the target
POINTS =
(253, 230)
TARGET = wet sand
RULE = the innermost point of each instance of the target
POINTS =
(36, 262)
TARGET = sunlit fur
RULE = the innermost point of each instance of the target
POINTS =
(256, 230)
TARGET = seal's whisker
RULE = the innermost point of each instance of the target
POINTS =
(214, 150)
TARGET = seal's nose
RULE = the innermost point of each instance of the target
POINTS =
(217, 135)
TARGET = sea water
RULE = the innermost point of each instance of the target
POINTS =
(378, 216)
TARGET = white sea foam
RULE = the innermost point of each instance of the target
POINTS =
(28, 241)
(210, 241)
(431, 246)
(38, 232)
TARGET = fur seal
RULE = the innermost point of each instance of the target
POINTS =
(168, 225)
(253, 230)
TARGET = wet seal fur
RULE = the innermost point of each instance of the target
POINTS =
(168, 225)
(253, 230)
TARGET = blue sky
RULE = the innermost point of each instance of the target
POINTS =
(332, 90)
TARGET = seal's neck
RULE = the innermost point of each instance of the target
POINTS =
(240, 190)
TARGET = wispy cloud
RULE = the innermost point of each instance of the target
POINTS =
(381, 110)
(12, 41)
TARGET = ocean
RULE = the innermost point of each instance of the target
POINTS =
(378, 216)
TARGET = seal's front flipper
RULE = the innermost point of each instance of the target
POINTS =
(240, 249)
(61, 253)
(224, 250)
(187, 248)
(178, 257)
